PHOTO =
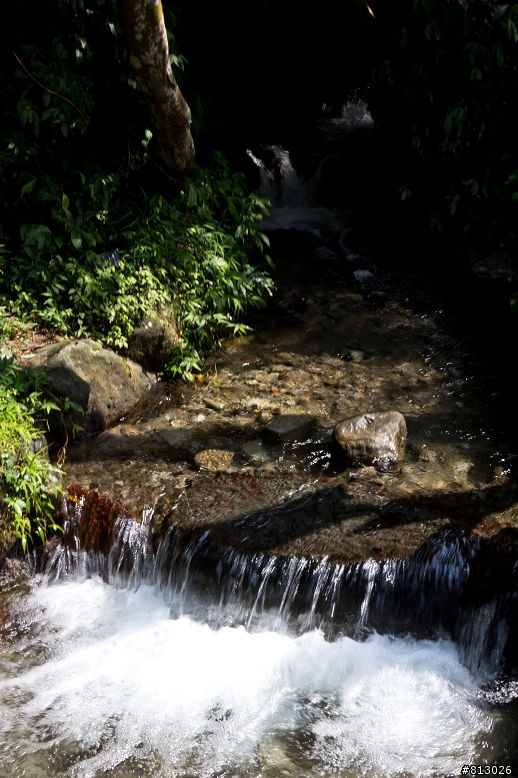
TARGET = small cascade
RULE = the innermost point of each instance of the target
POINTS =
(435, 593)
(312, 208)
(279, 181)
(291, 197)
(354, 116)
(100, 539)
(170, 654)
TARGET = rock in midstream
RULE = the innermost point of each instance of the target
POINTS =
(372, 438)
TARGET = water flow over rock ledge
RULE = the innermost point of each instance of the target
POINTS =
(309, 666)
(457, 584)
(123, 689)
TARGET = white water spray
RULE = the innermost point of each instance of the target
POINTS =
(101, 681)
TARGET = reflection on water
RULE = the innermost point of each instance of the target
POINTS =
(98, 680)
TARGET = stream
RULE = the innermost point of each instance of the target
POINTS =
(228, 602)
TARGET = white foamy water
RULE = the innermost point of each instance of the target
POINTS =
(97, 681)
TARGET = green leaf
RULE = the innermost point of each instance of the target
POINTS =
(29, 187)
(77, 240)
(500, 10)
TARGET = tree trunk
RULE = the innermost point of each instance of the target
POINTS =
(148, 52)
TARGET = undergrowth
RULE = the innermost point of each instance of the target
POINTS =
(190, 253)
(29, 483)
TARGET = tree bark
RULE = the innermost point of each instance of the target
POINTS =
(148, 52)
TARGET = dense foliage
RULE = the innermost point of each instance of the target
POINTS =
(190, 253)
(445, 99)
(29, 483)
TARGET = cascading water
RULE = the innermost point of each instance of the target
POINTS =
(190, 660)
(291, 196)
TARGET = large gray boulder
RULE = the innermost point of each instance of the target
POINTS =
(104, 384)
(372, 439)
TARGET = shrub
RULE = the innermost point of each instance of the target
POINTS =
(29, 483)
(190, 251)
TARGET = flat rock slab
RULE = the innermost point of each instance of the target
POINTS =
(289, 514)
(288, 426)
(286, 514)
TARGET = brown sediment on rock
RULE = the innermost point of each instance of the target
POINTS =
(290, 515)
(97, 517)
(344, 520)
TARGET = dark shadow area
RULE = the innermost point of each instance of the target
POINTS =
(346, 522)
(276, 68)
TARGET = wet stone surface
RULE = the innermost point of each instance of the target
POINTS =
(246, 453)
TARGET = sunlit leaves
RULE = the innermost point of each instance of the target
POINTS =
(199, 265)
(29, 484)
(74, 165)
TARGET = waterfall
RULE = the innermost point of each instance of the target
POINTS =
(140, 651)
(279, 181)
(433, 594)
(291, 196)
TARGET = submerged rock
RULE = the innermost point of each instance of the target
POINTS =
(214, 459)
(294, 424)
